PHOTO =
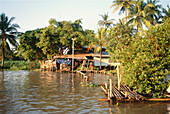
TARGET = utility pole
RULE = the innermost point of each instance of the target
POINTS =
(73, 54)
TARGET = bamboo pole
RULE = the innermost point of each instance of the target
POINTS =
(108, 94)
(117, 94)
(110, 88)
(118, 77)
(72, 54)
(103, 89)
(106, 85)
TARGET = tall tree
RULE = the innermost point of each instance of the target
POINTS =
(118, 39)
(123, 5)
(28, 45)
(105, 21)
(155, 13)
(139, 15)
(100, 36)
(8, 31)
(166, 12)
(49, 41)
(59, 36)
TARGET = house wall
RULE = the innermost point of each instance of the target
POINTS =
(104, 62)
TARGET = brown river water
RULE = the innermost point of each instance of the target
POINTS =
(35, 92)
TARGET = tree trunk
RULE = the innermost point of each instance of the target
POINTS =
(30, 65)
(2, 64)
(3, 52)
(61, 51)
(34, 64)
(100, 58)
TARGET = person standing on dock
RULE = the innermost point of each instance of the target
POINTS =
(91, 66)
(61, 66)
(83, 64)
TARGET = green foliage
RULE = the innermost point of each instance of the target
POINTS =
(68, 30)
(19, 65)
(105, 22)
(28, 45)
(58, 36)
(166, 12)
(89, 84)
(141, 14)
(8, 31)
(145, 59)
(49, 41)
(123, 5)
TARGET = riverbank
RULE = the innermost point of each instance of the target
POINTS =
(20, 65)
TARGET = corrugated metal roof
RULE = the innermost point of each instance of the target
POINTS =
(79, 56)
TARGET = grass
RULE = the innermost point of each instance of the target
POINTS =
(19, 65)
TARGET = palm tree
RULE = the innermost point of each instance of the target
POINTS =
(139, 15)
(166, 12)
(154, 12)
(8, 31)
(123, 5)
(101, 34)
(105, 22)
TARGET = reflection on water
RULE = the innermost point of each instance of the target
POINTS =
(51, 92)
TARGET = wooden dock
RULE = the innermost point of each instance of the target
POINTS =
(83, 75)
(124, 94)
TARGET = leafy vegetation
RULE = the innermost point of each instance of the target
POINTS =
(145, 59)
(27, 47)
(8, 31)
(19, 65)
(88, 84)
(46, 42)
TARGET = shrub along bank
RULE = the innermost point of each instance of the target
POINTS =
(20, 65)
(145, 59)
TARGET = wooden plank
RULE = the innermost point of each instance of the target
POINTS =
(118, 77)
(103, 89)
(158, 99)
(103, 99)
(110, 88)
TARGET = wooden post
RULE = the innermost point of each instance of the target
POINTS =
(72, 56)
(118, 77)
(56, 64)
(103, 89)
(110, 88)
(106, 85)
(108, 95)
(126, 94)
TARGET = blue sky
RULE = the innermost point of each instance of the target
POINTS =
(32, 14)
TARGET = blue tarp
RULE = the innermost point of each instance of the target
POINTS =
(97, 63)
(64, 61)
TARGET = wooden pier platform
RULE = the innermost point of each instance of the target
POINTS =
(124, 94)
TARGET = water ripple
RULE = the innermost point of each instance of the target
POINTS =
(50, 92)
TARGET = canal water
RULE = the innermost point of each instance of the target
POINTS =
(34, 92)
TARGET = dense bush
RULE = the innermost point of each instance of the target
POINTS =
(145, 59)
(19, 65)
